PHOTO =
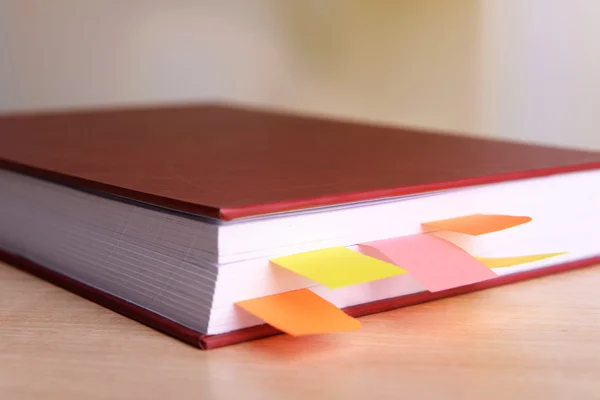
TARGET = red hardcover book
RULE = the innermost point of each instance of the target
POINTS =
(141, 210)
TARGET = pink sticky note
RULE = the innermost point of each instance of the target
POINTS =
(434, 262)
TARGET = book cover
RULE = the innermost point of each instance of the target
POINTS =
(227, 163)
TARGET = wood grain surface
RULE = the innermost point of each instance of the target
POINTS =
(532, 340)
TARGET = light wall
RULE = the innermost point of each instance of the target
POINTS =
(541, 71)
(527, 70)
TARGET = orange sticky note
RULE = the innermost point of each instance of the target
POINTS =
(477, 224)
(434, 262)
(299, 313)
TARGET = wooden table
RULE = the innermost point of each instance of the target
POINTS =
(532, 340)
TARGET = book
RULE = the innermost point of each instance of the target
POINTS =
(201, 220)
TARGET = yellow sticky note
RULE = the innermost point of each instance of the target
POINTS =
(500, 262)
(338, 267)
(477, 224)
(300, 312)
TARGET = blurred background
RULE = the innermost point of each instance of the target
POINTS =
(521, 69)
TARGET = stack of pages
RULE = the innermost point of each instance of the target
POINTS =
(219, 224)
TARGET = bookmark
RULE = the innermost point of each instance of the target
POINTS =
(299, 313)
(434, 262)
(501, 262)
(338, 267)
(476, 224)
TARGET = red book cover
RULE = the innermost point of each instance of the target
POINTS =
(226, 162)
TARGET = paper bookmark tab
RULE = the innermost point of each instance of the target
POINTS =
(338, 267)
(299, 313)
(477, 224)
(500, 262)
(434, 262)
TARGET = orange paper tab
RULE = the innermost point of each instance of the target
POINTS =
(299, 313)
(477, 224)
(434, 262)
